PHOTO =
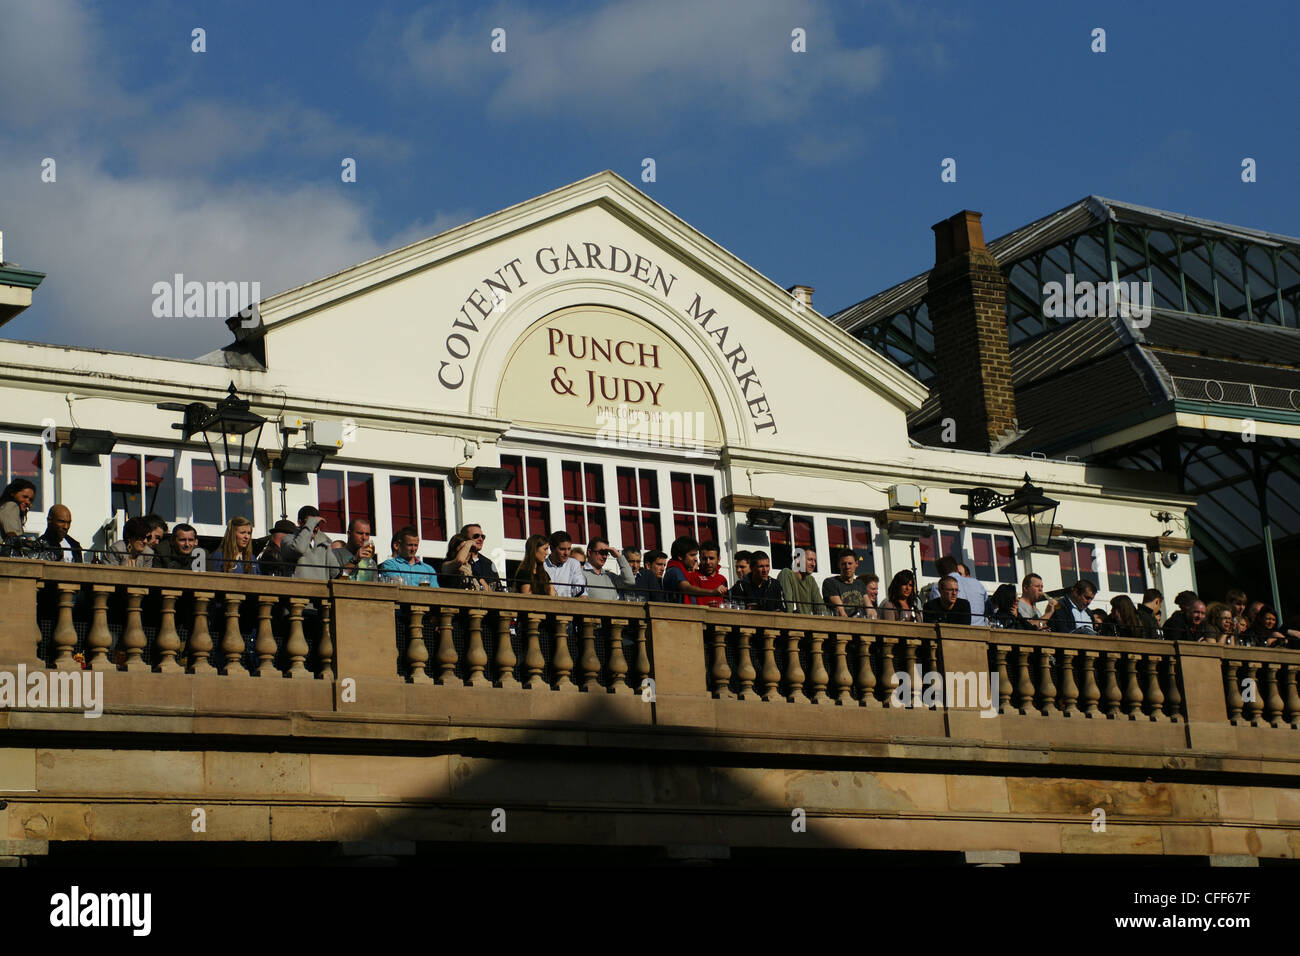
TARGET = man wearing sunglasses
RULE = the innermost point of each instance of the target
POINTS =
(482, 566)
(602, 584)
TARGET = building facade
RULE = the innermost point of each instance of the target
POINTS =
(638, 380)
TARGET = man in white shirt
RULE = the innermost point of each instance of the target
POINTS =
(57, 522)
(565, 572)
(968, 589)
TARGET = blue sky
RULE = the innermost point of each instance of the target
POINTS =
(820, 168)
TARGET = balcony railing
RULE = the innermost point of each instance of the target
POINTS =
(193, 626)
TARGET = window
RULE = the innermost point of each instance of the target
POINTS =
(420, 503)
(993, 557)
(20, 460)
(584, 500)
(218, 498)
(846, 535)
(939, 543)
(143, 485)
(1125, 573)
(344, 497)
(526, 502)
(1079, 561)
(694, 513)
(638, 508)
(798, 533)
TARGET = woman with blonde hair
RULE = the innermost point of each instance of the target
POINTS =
(235, 555)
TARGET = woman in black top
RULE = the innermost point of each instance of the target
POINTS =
(531, 576)
(1006, 609)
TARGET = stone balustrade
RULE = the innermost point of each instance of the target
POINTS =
(415, 713)
(143, 621)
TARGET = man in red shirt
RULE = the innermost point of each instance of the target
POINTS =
(707, 577)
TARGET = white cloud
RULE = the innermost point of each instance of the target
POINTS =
(634, 62)
(138, 196)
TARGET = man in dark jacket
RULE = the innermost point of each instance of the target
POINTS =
(758, 591)
(1073, 617)
(1149, 612)
(272, 560)
(57, 522)
(176, 552)
(947, 608)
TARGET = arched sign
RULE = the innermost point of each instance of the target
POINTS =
(604, 372)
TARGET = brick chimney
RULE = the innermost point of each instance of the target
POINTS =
(967, 300)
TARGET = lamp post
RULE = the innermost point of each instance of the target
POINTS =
(1030, 513)
(231, 430)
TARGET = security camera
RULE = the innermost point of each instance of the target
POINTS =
(1169, 558)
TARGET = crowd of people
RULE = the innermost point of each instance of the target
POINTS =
(690, 573)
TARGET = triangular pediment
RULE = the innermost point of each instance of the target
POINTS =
(439, 324)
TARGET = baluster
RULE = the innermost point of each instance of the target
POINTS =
(843, 679)
(65, 634)
(1231, 690)
(506, 659)
(475, 655)
(909, 646)
(794, 675)
(771, 675)
(745, 672)
(169, 642)
(642, 656)
(295, 646)
(617, 662)
(325, 646)
(720, 672)
(417, 653)
(200, 644)
(1174, 697)
(817, 662)
(930, 653)
(1110, 693)
(99, 639)
(1046, 686)
(1155, 697)
(590, 660)
(1024, 683)
(133, 640)
(1000, 652)
(1091, 692)
(1069, 689)
(265, 643)
(1132, 690)
(866, 681)
(446, 647)
(1272, 698)
(886, 684)
(562, 660)
(534, 662)
(1292, 714)
(232, 644)
(1253, 707)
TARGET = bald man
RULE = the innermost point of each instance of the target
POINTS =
(58, 520)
